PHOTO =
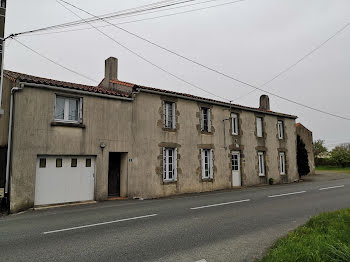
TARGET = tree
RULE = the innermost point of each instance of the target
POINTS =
(302, 158)
(319, 148)
(341, 155)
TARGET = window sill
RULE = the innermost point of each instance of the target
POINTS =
(283, 174)
(261, 175)
(169, 182)
(207, 179)
(67, 124)
(168, 129)
(206, 133)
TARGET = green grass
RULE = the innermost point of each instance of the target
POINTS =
(333, 169)
(325, 237)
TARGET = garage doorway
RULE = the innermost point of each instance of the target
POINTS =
(114, 174)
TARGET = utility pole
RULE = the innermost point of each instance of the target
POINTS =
(2, 47)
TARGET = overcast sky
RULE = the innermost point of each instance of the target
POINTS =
(252, 40)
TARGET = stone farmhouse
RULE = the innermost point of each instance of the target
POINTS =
(63, 142)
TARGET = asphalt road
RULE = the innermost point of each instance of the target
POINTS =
(236, 225)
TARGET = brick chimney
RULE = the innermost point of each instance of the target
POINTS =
(111, 77)
(264, 102)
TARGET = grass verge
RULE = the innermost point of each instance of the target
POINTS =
(334, 169)
(325, 237)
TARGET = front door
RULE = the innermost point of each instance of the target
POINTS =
(114, 174)
(236, 169)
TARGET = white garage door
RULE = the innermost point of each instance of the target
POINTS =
(62, 179)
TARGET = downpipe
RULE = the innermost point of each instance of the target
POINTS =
(9, 145)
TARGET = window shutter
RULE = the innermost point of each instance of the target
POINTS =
(259, 127)
(164, 163)
(175, 164)
(211, 159)
(203, 163)
(209, 120)
(174, 115)
(80, 110)
(202, 118)
(164, 114)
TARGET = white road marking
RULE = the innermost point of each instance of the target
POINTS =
(221, 204)
(325, 188)
(287, 194)
(98, 224)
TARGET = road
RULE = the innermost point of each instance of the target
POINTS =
(234, 225)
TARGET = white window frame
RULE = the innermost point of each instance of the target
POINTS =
(280, 129)
(169, 164)
(207, 163)
(261, 163)
(205, 112)
(259, 126)
(66, 109)
(235, 129)
(282, 163)
(169, 119)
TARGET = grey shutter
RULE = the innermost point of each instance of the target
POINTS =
(164, 114)
(202, 119)
(209, 120)
(211, 162)
(174, 115)
(164, 163)
(203, 163)
(175, 164)
(80, 116)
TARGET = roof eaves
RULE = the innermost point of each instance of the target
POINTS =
(212, 101)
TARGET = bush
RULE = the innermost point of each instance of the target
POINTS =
(325, 162)
(341, 155)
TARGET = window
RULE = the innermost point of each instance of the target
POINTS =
(3, 3)
(42, 162)
(261, 163)
(282, 163)
(58, 162)
(259, 129)
(207, 163)
(280, 129)
(68, 109)
(88, 162)
(234, 124)
(169, 164)
(74, 162)
(205, 119)
(235, 161)
(169, 115)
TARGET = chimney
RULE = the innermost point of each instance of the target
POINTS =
(264, 102)
(111, 77)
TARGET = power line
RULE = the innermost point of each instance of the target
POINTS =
(108, 16)
(144, 19)
(54, 62)
(298, 61)
(143, 58)
(202, 65)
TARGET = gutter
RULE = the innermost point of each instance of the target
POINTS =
(9, 142)
(75, 91)
(214, 103)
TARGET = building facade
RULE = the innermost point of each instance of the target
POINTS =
(72, 142)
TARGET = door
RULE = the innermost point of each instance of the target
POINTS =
(114, 174)
(62, 179)
(236, 169)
